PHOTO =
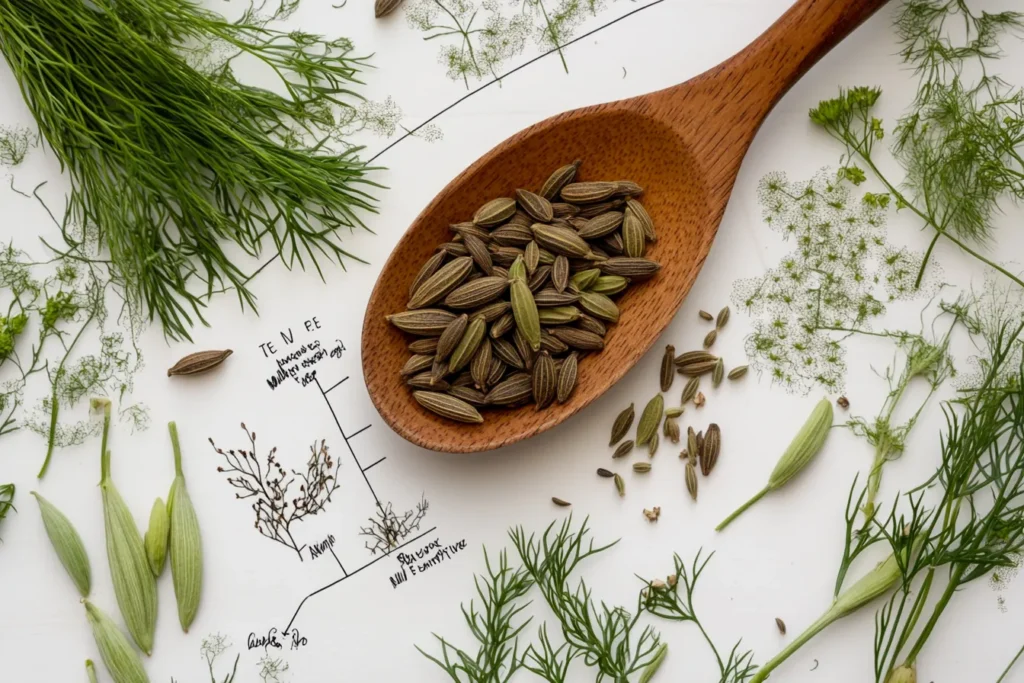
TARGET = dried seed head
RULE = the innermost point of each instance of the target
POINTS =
(699, 400)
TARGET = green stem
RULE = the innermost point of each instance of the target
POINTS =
(176, 446)
(104, 452)
(811, 631)
(1012, 662)
(947, 595)
(743, 508)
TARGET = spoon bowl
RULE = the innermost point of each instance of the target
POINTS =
(683, 145)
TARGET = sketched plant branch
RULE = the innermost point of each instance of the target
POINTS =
(387, 530)
(276, 505)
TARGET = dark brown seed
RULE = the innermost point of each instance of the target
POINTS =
(623, 449)
(700, 445)
(711, 448)
(567, 378)
(591, 324)
(531, 257)
(502, 326)
(600, 226)
(520, 218)
(478, 252)
(551, 344)
(463, 229)
(427, 345)
(198, 363)
(497, 370)
(426, 270)
(492, 311)
(843, 402)
(564, 210)
(559, 502)
(480, 366)
(588, 193)
(623, 421)
(515, 388)
(437, 371)
(476, 293)
(578, 339)
(495, 212)
(382, 8)
(539, 278)
(448, 406)
(607, 474)
(560, 273)
(451, 337)
(545, 381)
(691, 445)
(512, 236)
(436, 287)
(504, 256)
(705, 315)
(628, 188)
(781, 625)
(425, 380)
(559, 179)
(426, 322)
(537, 207)
(462, 380)
(550, 297)
(454, 249)
(506, 352)
(470, 395)
(668, 368)
(613, 244)
(636, 268)
(523, 348)
(592, 210)
(417, 364)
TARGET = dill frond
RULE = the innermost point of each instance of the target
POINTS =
(170, 163)
(6, 500)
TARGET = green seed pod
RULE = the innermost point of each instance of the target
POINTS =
(652, 668)
(67, 544)
(156, 537)
(122, 661)
(186, 548)
(90, 671)
(903, 674)
(875, 583)
(802, 449)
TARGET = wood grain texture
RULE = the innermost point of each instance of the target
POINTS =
(684, 145)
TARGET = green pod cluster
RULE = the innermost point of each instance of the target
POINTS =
(122, 661)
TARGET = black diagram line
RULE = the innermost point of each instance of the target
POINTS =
(336, 385)
(358, 432)
(335, 583)
(347, 444)
(376, 463)
(335, 555)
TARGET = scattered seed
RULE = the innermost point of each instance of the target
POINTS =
(652, 515)
(198, 363)
(781, 625)
(843, 402)
(620, 485)
(674, 412)
(668, 370)
(559, 502)
(650, 419)
(710, 338)
(699, 399)
(722, 319)
(718, 374)
(607, 474)
(690, 390)
(641, 467)
(672, 430)
(711, 448)
(691, 480)
(738, 372)
(623, 450)
(705, 315)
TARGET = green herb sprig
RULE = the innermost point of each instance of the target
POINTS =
(6, 500)
(170, 161)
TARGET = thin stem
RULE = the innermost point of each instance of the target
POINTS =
(104, 452)
(176, 447)
(801, 640)
(924, 261)
(743, 508)
(1010, 666)
(947, 595)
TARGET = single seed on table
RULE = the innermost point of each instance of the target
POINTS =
(691, 480)
(559, 502)
(691, 444)
(468, 345)
(652, 443)
(650, 420)
(722, 319)
(561, 177)
(448, 277)
(198, 363)
(637, 209)
(696, 369)
(641, 467)
(718, 373)
(699, 400)
(712, 446)
(695, 357)
(623, 449)
(495, 212)
(668, 370)
(589, 192)
(545, 381)
(705, 315)
(623, 421)
(448, 406)
(601, 226)
(478, 252)
(672, 430)
(531, 257)
(536, 206)
(690, 390)
(737, 372)
(578, 338)
(567, 377)
(843, 402)
(674, 412)
(710, 338)
(426, 270)
(652, 515)
(781, 625)
(620, 485)
(607, 474)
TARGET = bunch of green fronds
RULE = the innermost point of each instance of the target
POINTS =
(174, 164)
(6, 499)
(961, 142)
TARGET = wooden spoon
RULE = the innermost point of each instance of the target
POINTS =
(684, 145)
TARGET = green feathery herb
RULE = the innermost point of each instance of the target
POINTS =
(6, 500)
(960, 144)
(14, 144)
(169, 161)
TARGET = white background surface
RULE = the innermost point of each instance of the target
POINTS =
(778, 561)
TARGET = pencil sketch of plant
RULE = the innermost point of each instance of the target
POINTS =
(388, 529)
(277, 506)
